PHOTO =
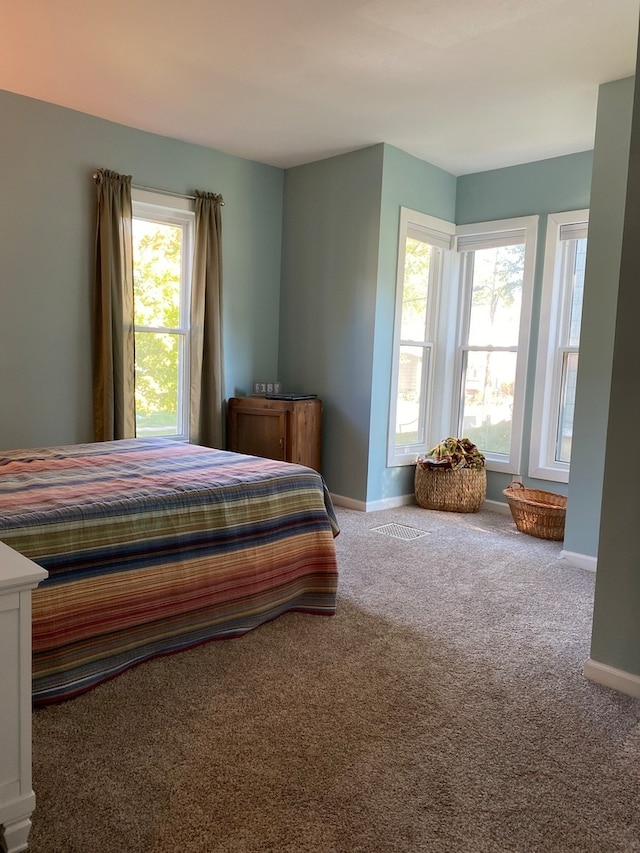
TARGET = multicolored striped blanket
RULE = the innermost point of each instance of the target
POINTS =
(154, 546)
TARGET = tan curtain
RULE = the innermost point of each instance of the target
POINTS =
(113, 363)
(206, 398)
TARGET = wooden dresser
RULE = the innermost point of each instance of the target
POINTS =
(289, 430)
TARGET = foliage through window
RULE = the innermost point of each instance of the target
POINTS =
(490, 351)
(423, 240)
(496, 287)
(162, 258)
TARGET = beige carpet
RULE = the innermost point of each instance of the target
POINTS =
(442, 709)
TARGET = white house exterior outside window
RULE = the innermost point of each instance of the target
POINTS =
(558, 345)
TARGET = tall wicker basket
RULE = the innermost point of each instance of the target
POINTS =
(537, 512)
(460, 490)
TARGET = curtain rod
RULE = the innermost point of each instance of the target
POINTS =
(164, 192)
(168, 192)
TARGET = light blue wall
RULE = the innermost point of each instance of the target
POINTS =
(616, 624)
(540, 188)
(546, 186)
(406, 182)
(46, 258)
(338, 285)
(328, 304)
(608, 190)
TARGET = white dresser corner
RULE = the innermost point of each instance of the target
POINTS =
(18, 576)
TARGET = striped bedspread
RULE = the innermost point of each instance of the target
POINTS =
(153, 546)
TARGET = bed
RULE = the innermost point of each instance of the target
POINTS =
(153, 546)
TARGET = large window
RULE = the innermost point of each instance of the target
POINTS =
(496, 288)
(162, 258)
(558, 344)
(421, 264)
(461, 337)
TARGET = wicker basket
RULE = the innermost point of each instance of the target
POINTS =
(462, 490)
(536, 512)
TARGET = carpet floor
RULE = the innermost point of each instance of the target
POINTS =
(442, 709)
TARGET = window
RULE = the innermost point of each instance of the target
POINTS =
(423, 241)
(461, 338)
(162, 259)
(558, 343)
(496, 288)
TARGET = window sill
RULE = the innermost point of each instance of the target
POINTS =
(554, 475)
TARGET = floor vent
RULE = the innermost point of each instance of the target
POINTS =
(401, 531)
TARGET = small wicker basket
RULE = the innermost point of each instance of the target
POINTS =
(537, 512)
(460, 490)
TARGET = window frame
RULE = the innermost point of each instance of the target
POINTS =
(439, 235)
(554, 318)
(474, 237)
(174, 210)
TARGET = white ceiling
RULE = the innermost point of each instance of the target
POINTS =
(467, 85)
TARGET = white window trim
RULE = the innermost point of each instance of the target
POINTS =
(158, 207)
(479, 235)
(542, 464)
(440, 234)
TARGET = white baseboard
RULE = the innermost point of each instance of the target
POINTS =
(372, 506)
(402, 500)
(348, 503)
(497, 506)
(390, 503)
(609, 676)
(580, 561)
